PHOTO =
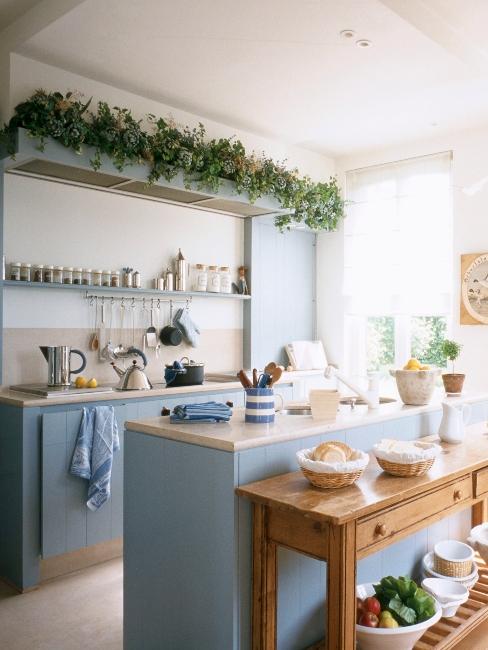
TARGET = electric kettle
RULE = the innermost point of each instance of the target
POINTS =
(133, 377)
(58, 359)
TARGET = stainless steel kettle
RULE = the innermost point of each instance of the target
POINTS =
(133, 377)
(58, 359)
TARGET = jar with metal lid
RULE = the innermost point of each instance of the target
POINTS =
(200, 278)
(97, 278)
(68, 275)
(38, 273)
(115, 279)
(213, 279)
(77, 275)
(25, 272)
(106, 278)
(225, 280)
(15, 271)
(58, 274)
(86, 276)
(136, 280)
(48, 273)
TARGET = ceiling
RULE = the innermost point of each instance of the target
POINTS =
(10, 10)
(280, 67)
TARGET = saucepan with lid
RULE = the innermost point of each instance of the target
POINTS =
(184, 372)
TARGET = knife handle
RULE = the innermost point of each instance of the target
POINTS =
(244, 379)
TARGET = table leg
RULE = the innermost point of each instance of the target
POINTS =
(264, 584)
(479, 513)
(341, 588)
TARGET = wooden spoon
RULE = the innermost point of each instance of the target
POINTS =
(275, 376)
(269, 367)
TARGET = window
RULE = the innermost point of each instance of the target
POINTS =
(397, 263)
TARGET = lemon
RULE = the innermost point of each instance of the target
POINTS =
(80, 382)
(412, 364)
(424, 367)
(92, 383)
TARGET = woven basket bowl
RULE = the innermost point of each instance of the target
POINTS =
(406, 469)
(452, 569)
(332, 479)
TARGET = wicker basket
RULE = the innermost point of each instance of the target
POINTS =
(405, 469)
(452, 569)
(332, 479)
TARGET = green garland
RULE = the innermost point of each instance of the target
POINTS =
(169, 149)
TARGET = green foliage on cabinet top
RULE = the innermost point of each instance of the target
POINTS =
(169, 149)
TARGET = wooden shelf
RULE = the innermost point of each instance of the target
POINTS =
(122, 290)
(60, 164)
(448, 632)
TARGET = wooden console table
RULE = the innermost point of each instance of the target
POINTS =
(345, 525)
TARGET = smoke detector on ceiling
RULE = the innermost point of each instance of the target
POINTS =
(363, 42)
(347, 34)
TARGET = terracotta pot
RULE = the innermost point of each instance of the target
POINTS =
(453, 383)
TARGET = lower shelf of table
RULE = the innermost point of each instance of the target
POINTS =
(448, 632)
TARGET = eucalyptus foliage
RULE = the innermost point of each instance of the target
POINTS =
(169, 149)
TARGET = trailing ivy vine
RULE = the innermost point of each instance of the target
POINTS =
(169, 149)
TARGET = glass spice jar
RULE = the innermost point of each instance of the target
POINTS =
(58, 274)
(68, 275)
(25, 272)
(200, 278)
(225, 280)
(77, 275)
(15, 271)
(115, 279)
(97, 278)
(48, 273)
(106, 277)
(38, 273)
(86, 277)
(213, 279)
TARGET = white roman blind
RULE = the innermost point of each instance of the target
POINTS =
(398, 238)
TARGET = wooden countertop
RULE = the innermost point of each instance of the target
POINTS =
(238, 435)
(375, 490)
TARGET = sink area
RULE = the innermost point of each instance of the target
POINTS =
(303, 410)
(352, 401)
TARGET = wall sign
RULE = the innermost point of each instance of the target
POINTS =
(474, 289)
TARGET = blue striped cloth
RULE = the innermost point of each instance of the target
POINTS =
(205, 412)
(97, 441)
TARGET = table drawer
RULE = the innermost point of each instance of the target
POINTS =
(481, 482)
(398, 519)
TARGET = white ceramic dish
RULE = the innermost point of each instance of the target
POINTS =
(450, 594)
(466, 583)
(454, 551)
(478, 539)
(399, 638)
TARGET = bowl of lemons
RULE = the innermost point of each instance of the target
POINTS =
(416, 382)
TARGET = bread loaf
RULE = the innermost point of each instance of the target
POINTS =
(328, 452)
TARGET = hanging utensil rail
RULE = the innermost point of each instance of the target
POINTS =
(125, 300)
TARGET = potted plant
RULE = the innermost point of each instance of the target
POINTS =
(453, 382)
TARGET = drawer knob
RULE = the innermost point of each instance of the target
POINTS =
(457, 495)
(380, 529)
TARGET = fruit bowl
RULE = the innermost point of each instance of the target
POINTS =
(399, 638)
(416, 387)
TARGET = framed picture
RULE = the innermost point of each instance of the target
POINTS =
(474, 289)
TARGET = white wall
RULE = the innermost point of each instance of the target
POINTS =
(470, 164)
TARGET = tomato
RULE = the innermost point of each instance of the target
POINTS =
(372, 605)
(368, 619)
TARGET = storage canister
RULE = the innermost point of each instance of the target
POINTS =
(225, 280)
(77, 275)
(49, 273)
(38, 273)
(25, 272)
(58, 274)
(260, 405)
(106, 278)
(200, 278)
(97, 278)
(213, 279)
(15, 271)
(86, 277)
(136, 280)
(115, 279)
(68, 275)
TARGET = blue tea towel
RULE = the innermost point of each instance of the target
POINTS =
(187, 326)
(98, 439)
(205, 412)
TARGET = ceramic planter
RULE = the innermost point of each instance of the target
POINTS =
(453, 383)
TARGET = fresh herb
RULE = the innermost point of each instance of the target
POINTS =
(407, 602)
(170, 149)
(451, 350)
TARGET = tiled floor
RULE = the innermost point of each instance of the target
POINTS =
(84, 610)
(75, 612)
